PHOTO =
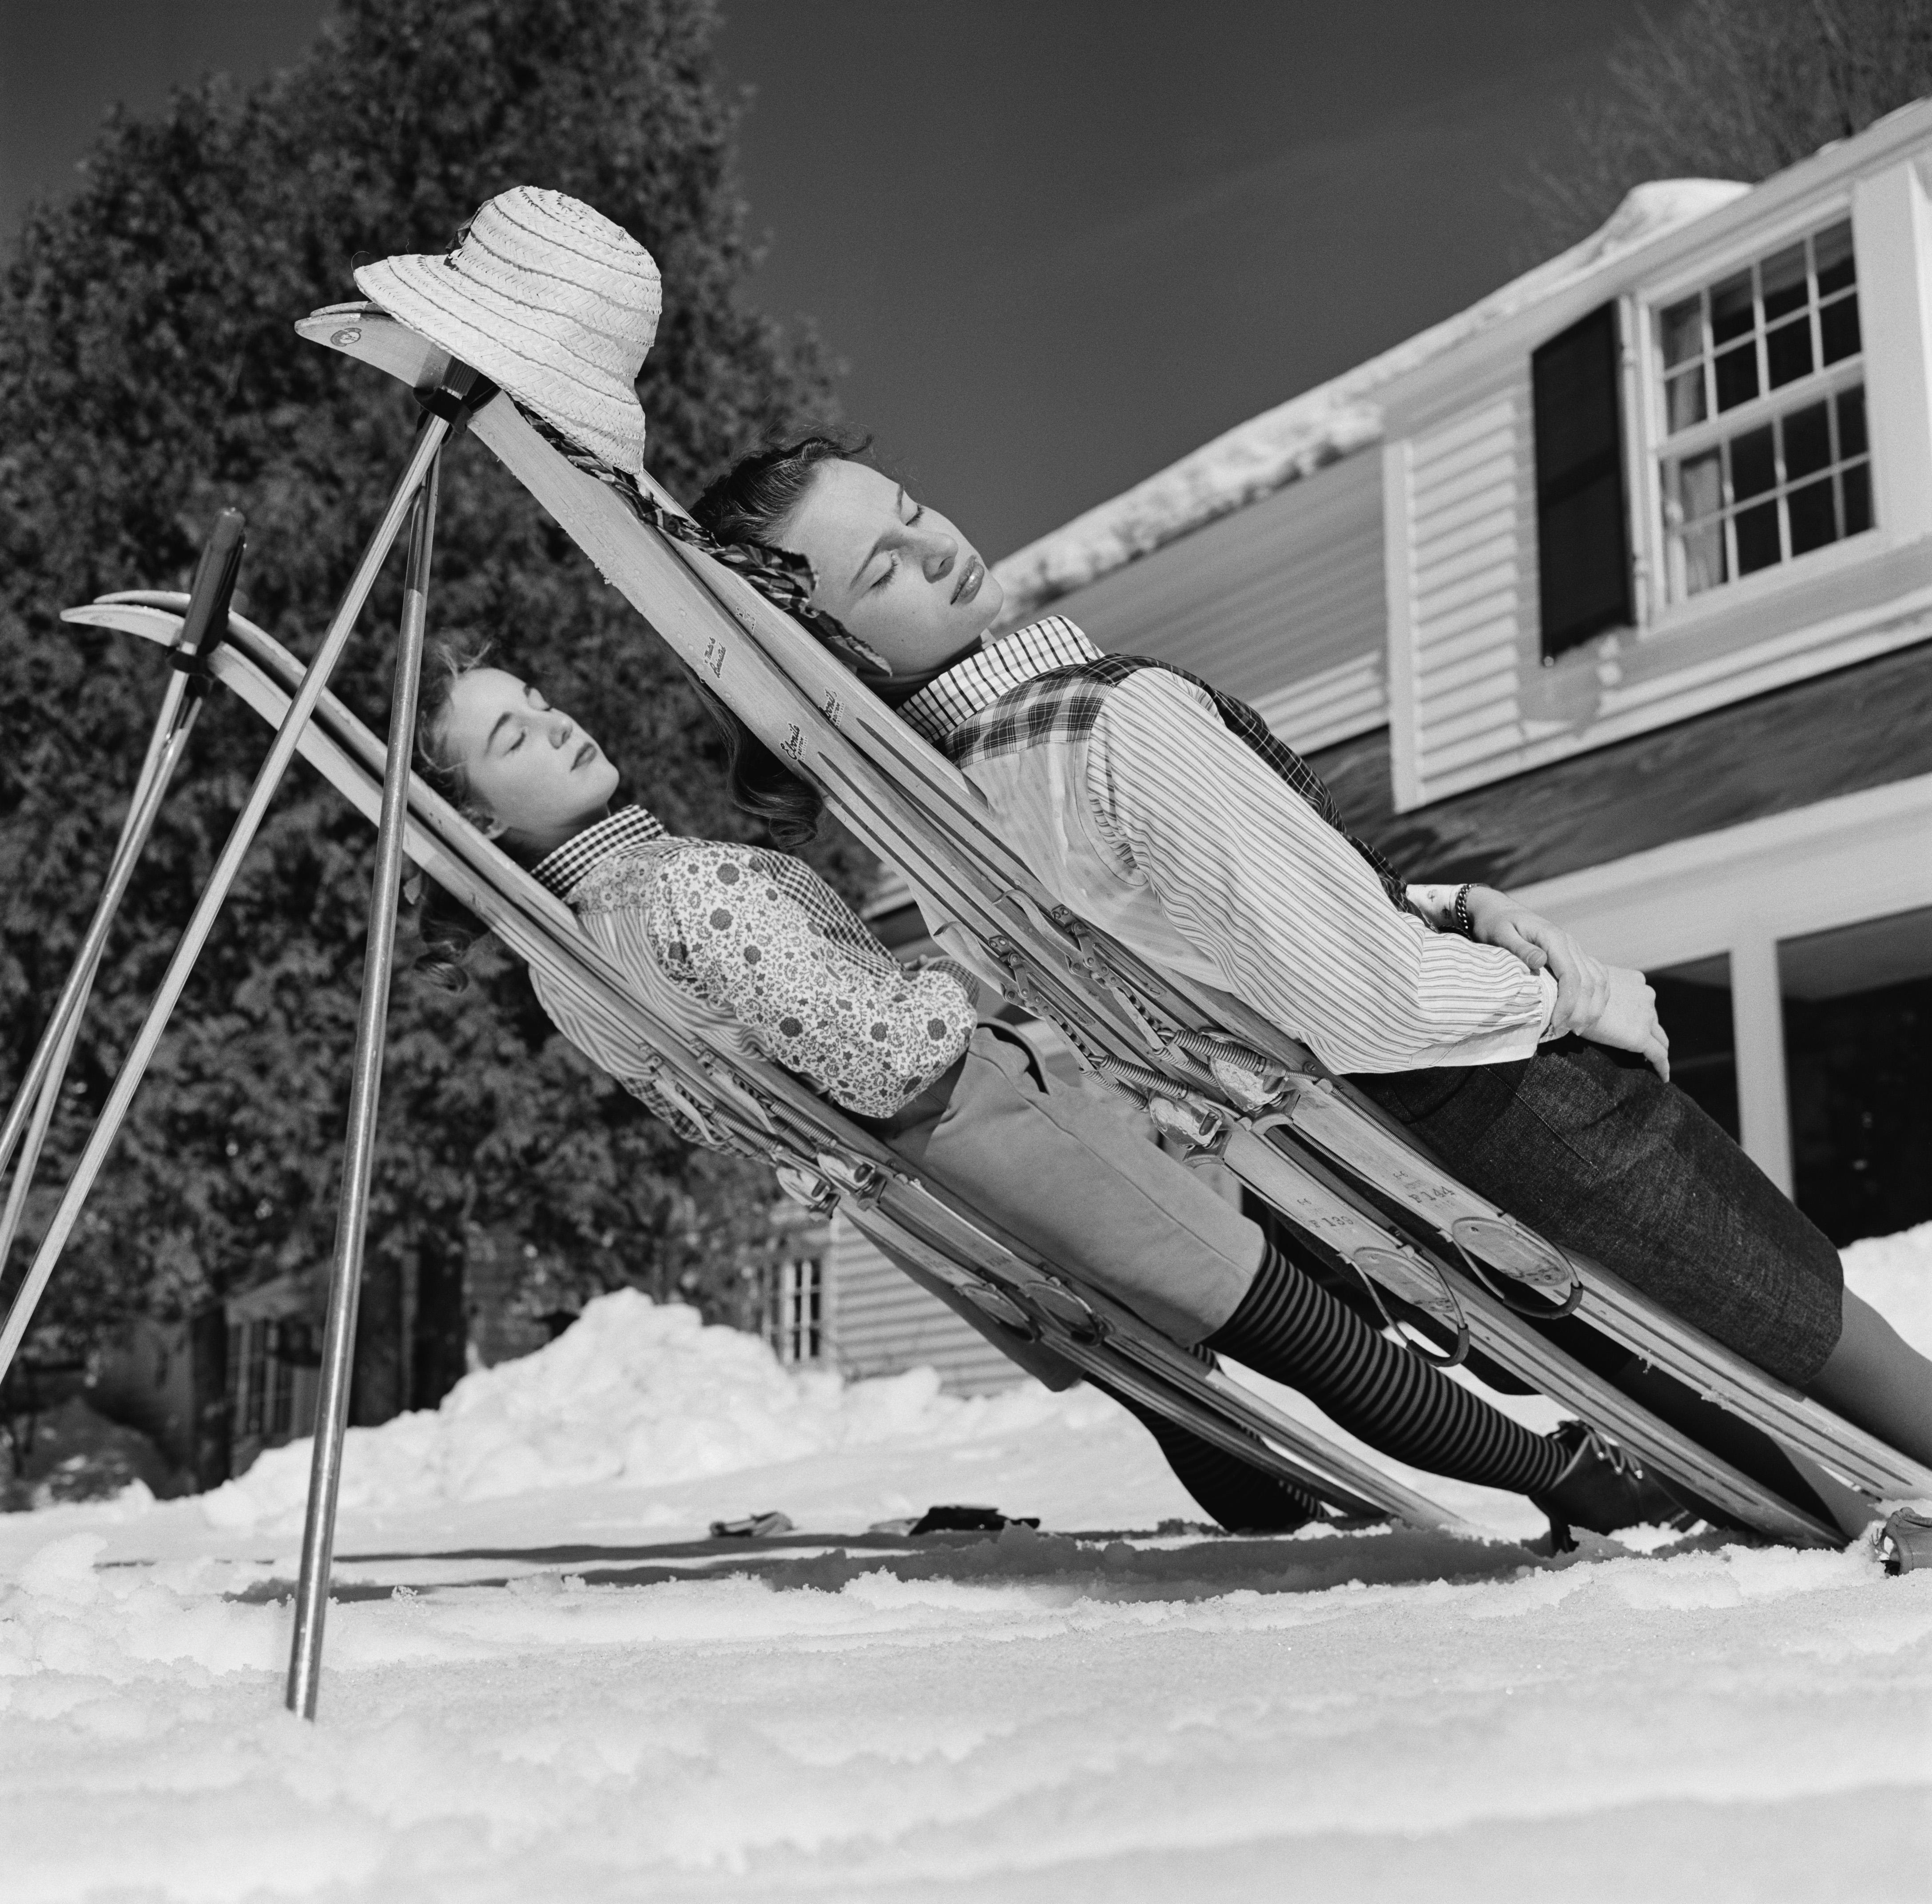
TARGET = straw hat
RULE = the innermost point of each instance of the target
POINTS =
(551, 301)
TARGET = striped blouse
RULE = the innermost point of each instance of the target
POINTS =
(1126, 791)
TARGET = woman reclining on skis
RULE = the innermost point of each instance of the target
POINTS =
(1066, 1163)
(1164, 813)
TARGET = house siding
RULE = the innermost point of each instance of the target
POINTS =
(1839, 733)
(1472, 699)
(1281, 604)
(884, 1324)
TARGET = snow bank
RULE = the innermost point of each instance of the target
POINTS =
(633, 1392)
(1298, 437)
(1894, 1275)
(639, 1394)
(1027, 1719)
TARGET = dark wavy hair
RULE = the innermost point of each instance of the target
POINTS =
(446, 928)
(750, 503)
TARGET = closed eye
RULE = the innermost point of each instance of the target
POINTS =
(891, 568)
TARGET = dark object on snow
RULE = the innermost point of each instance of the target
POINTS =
(968, 1520)
(1906, 1544)
(753, 1527)
(1603, 1488)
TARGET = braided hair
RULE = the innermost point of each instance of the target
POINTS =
(752, 503)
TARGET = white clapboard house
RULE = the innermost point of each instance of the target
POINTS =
(1615, 590)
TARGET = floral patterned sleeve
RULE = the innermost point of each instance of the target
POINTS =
(760, 935)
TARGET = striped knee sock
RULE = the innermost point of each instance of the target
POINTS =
(1292, 1331)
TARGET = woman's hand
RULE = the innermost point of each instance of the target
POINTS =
(1583, 983)
(1628, 1021)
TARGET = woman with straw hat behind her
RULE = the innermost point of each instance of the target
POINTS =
(767, 959)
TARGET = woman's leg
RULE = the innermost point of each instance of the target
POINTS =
(1242, 1497)
(1876, 1378)
(1291, 1330)
(1069, 1170)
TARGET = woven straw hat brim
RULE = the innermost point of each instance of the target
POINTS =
(549, 300)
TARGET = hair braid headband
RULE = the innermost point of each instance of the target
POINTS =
(785, 579)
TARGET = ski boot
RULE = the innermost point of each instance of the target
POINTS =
(1603, 1488)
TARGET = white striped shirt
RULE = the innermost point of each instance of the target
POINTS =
(1156, 801)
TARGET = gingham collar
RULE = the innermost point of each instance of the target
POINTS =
(565, 869)
(981, 678)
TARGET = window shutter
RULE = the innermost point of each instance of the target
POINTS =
(1582, 519)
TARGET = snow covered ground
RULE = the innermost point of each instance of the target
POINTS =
(570, 1699)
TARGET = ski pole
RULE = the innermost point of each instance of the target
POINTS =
(429, 436)
(358, 1153)
(202, 625)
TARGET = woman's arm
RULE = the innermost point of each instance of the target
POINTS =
(1292, 916)
(760, 935)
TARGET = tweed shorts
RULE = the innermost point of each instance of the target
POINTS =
(1590, 1146)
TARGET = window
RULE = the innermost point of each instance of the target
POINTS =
(1858, 1045)
(1694, 1003)
(261, 1380)
(794, 1308)
(1764, 415)
(1582, 524)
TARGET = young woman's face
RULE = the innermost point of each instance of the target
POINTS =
(528, 764)
(897, 574)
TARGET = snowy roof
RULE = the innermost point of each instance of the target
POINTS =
(1298, 437)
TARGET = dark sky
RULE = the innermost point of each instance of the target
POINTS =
(1057, 242)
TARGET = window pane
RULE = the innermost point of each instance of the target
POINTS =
(1701, 554)
(1681, 328)
(1858, 499)
(1851, 421)
(1808, 441)
(1857, 1045)
(1694, 1004)
(1731, 309)
(1700, 486)
(1685, 398)
(1782, 276)
(1754, 468)
(1814, 516)
(1832, 251)
(1758, 546)
(1838, 329)
(1737, 375)
(1787, 351)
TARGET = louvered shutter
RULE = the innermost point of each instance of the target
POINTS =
(1583, 514)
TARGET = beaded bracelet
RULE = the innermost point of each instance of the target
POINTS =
(1464, 923)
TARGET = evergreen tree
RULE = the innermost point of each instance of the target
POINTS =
(1734, 89)
(149, 376)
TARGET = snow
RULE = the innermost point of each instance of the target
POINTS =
(567, 1698)
(1334, 419)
